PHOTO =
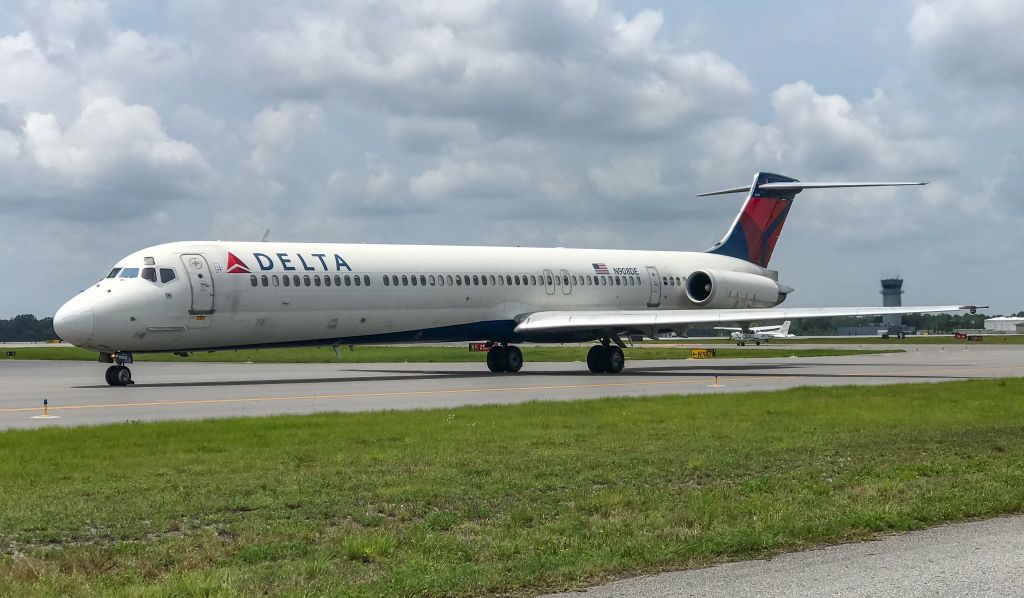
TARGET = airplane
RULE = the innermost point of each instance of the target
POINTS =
(757, 334)
(192, 296)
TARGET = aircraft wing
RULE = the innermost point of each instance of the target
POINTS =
(612, 322)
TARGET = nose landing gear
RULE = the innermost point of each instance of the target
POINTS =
(118, 374)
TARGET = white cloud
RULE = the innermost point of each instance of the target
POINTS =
(108, 140)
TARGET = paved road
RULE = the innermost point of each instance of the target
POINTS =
(77, 394)
(977, 560)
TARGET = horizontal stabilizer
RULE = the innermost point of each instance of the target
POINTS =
(798, 186)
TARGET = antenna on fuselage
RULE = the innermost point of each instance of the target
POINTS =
(266, 236)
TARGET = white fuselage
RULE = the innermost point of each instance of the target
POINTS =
(226, 294)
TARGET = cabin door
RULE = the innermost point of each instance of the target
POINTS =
(549, 282)
(201, 279)
(655, 299)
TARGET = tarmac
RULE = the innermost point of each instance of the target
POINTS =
(980, 559)
(77, 395)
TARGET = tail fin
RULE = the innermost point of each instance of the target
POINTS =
(784, 329)
(757, 227)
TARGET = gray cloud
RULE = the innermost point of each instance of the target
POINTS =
(525, 123)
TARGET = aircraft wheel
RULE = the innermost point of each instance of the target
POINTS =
(121, 376)
(109, 375)
(758, 343)
(614, 360)
(596, 359)
(512, 359)
(496, 359)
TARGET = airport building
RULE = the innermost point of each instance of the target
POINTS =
(1004, 324)
(892, 296)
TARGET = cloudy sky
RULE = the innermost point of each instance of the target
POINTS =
(576, 123)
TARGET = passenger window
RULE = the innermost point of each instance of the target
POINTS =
(483, 279)
(129, 273)
(394, 280)
(265, 280)
(501, 280)
(286, 280)
(316, 279)
(149, 274)
(550, 281)
(565, 280)
(167, 274)
(113, 273)
(276, 280)
(492, 280)
(348, 280)
(678, 281)
(440, 280)
(508, 279)
(405, 280)
(458, 280)
(337, 280)
(449, 277)
(423, 280)
(517, 280)
(295, 279)
(432, 280)
(305, 280)
(356, 277)
(387, 281)
(366, 280)
(327, 280)
(252, 280)
(414, 283)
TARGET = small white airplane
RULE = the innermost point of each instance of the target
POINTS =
(213, 295)
(758, 334)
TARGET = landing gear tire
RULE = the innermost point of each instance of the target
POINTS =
(596, 359)
(504, 359)
(605, 359)
(496, 359)
(614, 360)
(512, 360)
(119, 375)
(758, 343)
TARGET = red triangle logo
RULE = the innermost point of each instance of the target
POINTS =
(236, 266)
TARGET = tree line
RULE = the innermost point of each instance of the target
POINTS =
(26, 328)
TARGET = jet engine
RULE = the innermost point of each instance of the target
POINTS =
(718, 289)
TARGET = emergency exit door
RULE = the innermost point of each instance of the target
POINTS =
(201, 279)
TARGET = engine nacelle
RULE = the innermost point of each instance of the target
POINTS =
(719, 289)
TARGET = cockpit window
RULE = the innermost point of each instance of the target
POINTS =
(149, 274)
(167, 274)
(113, 273)
(129, 273)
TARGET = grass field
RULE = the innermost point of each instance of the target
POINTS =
(422, 354)
(495, 500)
(947, 340)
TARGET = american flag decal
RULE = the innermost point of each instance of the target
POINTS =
(600, 268)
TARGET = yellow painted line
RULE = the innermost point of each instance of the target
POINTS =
(452, 391)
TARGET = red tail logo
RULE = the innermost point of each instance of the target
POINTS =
(236, 266)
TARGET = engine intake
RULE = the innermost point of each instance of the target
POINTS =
(731, 290)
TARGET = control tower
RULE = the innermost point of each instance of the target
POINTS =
(892, 296)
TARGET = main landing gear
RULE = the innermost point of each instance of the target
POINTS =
(119, 374)
(504, 358)
(605, 358)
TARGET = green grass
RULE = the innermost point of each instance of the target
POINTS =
(497, 499)
(423, 354)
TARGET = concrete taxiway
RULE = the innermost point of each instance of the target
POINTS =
(979, 559)
(77, 394)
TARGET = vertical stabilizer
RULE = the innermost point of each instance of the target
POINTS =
(757, 227)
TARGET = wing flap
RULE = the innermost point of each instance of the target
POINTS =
(550, 321)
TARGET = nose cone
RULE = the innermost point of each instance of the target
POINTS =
(73, 324)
